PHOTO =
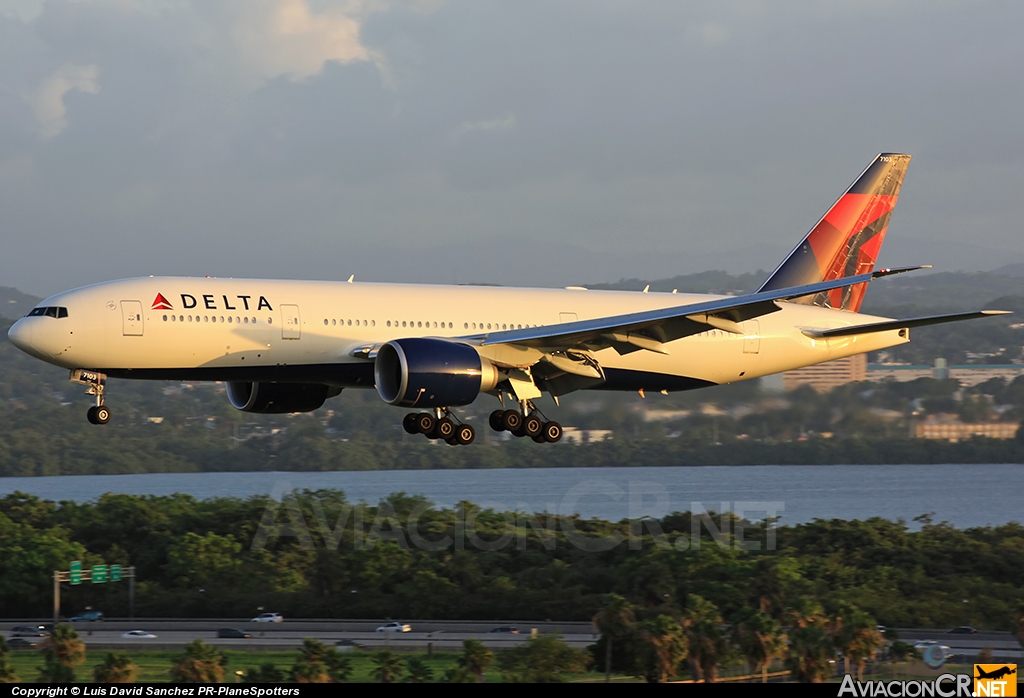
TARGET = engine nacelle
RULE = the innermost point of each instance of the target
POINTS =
(422, 372)
(279, 398)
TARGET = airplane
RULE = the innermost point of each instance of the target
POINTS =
(994, 674)
(287, 346)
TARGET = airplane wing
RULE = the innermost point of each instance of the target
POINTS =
(652, 329)
(900, 324)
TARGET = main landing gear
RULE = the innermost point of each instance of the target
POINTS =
(99, 413)
(441, 425)
(526, 422)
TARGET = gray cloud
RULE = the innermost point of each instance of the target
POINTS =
(530, 142)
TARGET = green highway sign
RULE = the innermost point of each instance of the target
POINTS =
(115, 573)
(76, 572)
(99, 574)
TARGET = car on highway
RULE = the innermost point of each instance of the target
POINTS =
(232, 633)
(963, 630)
(138, 633)
(20, 643)
(268, 618)
(510, 629)
(29, 631)
(88, 617)
(394, 628)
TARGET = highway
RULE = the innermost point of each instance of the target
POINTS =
(441, 635)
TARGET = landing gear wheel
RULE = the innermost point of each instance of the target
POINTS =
(497, 420)
(409, 423)
(424, 422)
(452, 441)
(539, 438)
(99, 414)
(511, 420)
(532, 426)
(443, 429)
(552, 432)
(465, 434)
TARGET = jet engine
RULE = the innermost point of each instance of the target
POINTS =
(423, 372)
(279, 398)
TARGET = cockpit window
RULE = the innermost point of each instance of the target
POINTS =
(52, 311)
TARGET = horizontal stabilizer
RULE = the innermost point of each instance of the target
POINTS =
(897, 270)
(901, 324)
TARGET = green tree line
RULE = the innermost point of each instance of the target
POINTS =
(315, 554)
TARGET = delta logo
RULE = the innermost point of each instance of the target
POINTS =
(161, 303)
(995, 680)
(209, 302)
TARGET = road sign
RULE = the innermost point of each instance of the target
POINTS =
(99, 574)
(76, 572)
(115, 573)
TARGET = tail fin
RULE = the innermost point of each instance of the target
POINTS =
(847, 239)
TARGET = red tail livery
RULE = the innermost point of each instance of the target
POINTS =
(847, 239)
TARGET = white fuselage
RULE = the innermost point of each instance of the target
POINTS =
(307, 331)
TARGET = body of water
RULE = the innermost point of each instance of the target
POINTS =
(963, 495)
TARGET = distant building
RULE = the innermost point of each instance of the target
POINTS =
(968, 375)
(950, 430)
(831, 374)
(585, 436)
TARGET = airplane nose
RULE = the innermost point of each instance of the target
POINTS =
(20, 335)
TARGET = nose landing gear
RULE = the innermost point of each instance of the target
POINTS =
(100, 413)
(527, 421)
(443, 425)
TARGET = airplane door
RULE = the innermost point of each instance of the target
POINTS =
(567, 317)
(751, 337)
(131, 318)
(291, 325)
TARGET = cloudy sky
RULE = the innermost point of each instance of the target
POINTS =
(538, 142)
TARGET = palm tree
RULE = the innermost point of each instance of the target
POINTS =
(476, 658)
(387, 666)
(117, 667)
(417, 671)
(615, 619)
(663, 648)
(62, 652)
(706, 643)
(760, 640)
(200, 663)
(7, 674)
(862, 639)
(318, 663)
(810, 650)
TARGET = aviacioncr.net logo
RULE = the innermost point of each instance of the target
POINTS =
(943, 686)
